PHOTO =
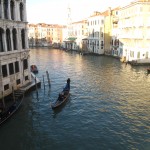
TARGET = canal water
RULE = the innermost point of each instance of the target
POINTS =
(108, 109)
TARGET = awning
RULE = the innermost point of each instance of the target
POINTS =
(85, 39)
(72, 38)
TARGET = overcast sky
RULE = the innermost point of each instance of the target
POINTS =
(55, 11)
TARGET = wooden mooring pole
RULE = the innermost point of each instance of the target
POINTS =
(3, 99)
(44, 82)
(13, 93)
(49, 83)
(36, 87)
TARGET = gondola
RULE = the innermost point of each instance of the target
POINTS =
(6, 113)
(62, 98)
(34, 69)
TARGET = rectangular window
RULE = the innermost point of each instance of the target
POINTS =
(26, 78)
(11, 69)
(25, 64)
(16, 66)
(6, 87)
(18, 81)
(4, 71)
(102, 34)
(131, 53)
(138, 55)
(146, 55)
(97, 43)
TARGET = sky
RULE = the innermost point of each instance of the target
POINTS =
(55, 11)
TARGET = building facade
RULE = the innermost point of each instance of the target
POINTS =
(77, 33)
(134, 31)
(114, 44)
(14, 50)
(95, 27)
(45, 34)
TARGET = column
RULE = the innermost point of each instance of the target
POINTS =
(18, 40)
(11, 38)
(9, 15)
(4, 41)
(25, 13)
(2, 9)
(17, 11)
(26, 39)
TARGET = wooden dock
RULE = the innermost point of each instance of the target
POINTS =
(16, 98)
(35, 82)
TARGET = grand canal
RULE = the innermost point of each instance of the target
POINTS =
(108, 109)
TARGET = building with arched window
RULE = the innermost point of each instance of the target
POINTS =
(14, 49)
(95, 29)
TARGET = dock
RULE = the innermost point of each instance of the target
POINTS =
(35, 82)
(16, 99)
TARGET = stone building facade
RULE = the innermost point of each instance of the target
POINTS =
(14, 50)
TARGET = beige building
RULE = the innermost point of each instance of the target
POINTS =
(114, 43)
(134, 31)
(107, 31)
(14, 50)
(111, 41)
(45, 34)
(95, 29)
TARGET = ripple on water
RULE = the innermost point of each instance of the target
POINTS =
(108, 107)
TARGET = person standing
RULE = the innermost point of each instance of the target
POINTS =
(67, 87)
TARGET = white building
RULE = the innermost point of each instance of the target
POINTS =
(96, 33)
(14, 50)
(134, 31)
(77, 33)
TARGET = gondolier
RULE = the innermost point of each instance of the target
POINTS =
(67, 87)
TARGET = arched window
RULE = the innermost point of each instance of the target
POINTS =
(1, 40)
(14, 33)
(8, 40)
(23, 38)
(6, 9)
(21, 11)
(12, 9)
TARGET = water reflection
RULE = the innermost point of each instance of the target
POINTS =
(108, 107)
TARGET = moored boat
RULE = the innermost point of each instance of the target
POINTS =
(6, 113)
(34, 69)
